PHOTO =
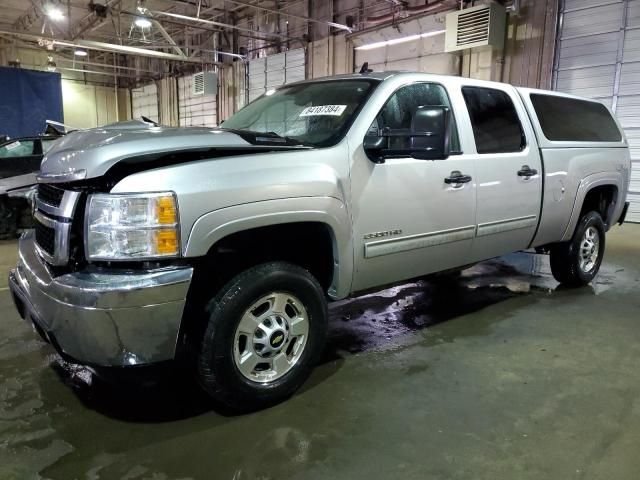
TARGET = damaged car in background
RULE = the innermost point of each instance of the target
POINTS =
(19, 162)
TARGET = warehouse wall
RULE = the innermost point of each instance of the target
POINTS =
(88, 106)
(526, 59)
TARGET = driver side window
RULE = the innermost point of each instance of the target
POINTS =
(398, 112)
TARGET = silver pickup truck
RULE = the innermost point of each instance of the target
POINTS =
(221, 247)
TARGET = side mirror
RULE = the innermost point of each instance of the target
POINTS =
(427, 139)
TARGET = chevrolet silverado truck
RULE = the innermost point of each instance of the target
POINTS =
(221, 247)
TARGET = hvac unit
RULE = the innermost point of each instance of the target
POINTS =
(481, 26)
(204, 83)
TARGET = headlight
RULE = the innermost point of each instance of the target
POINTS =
(132, 226)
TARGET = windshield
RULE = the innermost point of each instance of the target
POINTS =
(316, 114)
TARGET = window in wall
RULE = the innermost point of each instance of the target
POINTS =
(571, 119)
(495, 122)
(399, 110)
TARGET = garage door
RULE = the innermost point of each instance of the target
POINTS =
(144, 102)
(599, 57)
(195, 110)
(275, 70)
(419, 48)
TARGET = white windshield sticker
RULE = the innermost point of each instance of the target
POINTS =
(13, 145)
(335, 110)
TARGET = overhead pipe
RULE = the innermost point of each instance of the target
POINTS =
(437, 6)
(212, 22)
(291, 15)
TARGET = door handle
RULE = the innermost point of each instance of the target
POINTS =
(457, 178)
(527, 171)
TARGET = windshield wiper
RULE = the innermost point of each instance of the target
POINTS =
(255, 137)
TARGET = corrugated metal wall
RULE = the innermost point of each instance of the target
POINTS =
(599, 57)
(195, 110)
(423, 54)
(275, 70)
(144, 102)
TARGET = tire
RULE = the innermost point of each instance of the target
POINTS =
(571, 263)
(279, 296)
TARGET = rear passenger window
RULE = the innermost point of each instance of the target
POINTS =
(569, 119)
(495, 122)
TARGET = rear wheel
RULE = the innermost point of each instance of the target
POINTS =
(576, 263)
(265, 333)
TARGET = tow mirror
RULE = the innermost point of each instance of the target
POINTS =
(427, 139)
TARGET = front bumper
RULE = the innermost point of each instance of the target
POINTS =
(110, 318)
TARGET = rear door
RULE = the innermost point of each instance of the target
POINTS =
(508, 171)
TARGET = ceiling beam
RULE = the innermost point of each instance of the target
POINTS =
(104, 47)
(291, 15)
(89, 21)
(217, 24)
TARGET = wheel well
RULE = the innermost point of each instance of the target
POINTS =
(307, 244)
(601, 199)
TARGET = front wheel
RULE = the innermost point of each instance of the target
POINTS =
(265, 332)
(576, 263)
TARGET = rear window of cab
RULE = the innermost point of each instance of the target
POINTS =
(573, 120)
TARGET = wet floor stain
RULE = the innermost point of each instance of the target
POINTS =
(58, 421)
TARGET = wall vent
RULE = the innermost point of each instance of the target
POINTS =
(204, 83)
(481, 26)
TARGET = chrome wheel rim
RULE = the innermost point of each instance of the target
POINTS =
(589, 249)
(271, 337)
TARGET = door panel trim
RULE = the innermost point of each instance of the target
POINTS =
(491, 228)
(421, 240)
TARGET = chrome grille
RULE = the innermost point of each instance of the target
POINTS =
(46, 238)
(54, 216)
(50, 195)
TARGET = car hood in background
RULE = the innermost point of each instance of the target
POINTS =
(9, 184)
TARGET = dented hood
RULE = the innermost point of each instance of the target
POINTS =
(90, 153)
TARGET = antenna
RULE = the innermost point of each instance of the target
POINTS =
(365, 68)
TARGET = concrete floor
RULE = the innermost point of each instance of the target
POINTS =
(496, 375)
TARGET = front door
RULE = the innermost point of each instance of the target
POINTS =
(508, 171)
(407, 220)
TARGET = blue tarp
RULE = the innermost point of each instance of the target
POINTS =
(27, 99)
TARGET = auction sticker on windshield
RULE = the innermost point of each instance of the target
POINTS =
(335, 110)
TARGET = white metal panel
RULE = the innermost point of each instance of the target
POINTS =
(276, 62)
(195, 110)
(633, 215)
(144, 102)
(275, 70)
(424, 54)
(592, 20)
(592, 64)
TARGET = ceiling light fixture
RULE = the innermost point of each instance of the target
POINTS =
(143, 22)
(55, 13)
(78, 52)
(395, 41)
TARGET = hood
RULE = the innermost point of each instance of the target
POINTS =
(7, 185)
(96, 150)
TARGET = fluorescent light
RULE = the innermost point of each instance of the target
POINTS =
(143, 22)
(78, 52)
(395, 41)
(55, 14)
